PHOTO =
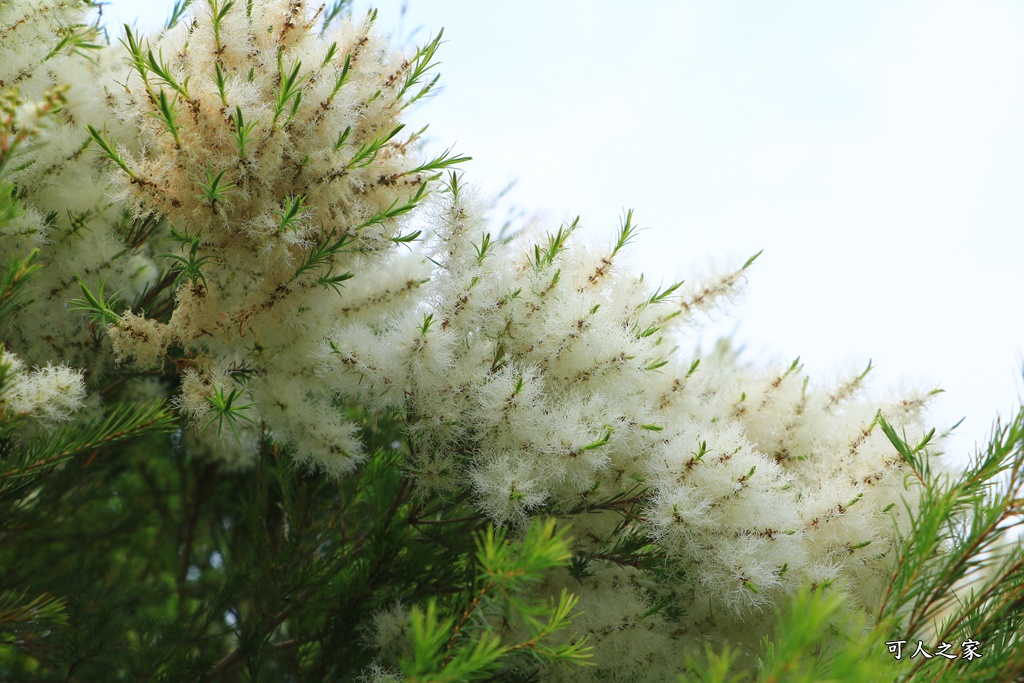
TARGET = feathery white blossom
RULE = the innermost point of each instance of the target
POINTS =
(50, 393)
(554, 387)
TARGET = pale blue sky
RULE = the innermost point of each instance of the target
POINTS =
(874, 150)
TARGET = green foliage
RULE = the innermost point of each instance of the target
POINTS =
(28, 458)
(15, 278)
(422, 62)
(217, 14)
(290, 91)
(960, 573)
(440, 162)
(18, 613)
(817, 640)
(544, 256)
(289, 216)
(109, 150)
(80, 39)
(339, 81)
(97, 307)
(204, 574)
(396, 208)
(243, 131)
(167, 113)
(36, 495)
(177, 13)
(323, 252)
(335, 10)
(225, 410)
(367, 152)
(215, 187)
(462, 642)
(190, 265)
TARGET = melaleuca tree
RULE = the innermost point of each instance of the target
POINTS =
(377, 438)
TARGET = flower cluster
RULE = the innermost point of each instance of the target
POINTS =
(274, 151)
(67, 211)
(49, 394)
(547, 376)
(258, 182)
